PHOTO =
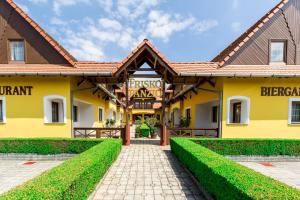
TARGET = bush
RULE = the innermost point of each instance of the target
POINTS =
(263, 147)
(144, 130)
(46, 146)
(223, 178)
(74, 179)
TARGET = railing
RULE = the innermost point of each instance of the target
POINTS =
(82, 132)
(195, 132)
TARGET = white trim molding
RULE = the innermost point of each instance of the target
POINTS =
(48, 110)
(3, 99)
(291, 100)
(245, 109)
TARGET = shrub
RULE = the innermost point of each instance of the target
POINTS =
(46, 145)
(264, 147)
(144, 130)
(74, 179)
(223, 178)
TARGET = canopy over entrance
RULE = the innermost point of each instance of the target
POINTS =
(159, 68)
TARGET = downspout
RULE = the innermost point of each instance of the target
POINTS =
(220, 114)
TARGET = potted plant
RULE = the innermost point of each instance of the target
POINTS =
(110, 123)
(153, 123)
(138, 124)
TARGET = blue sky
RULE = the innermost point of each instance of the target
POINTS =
(183, 30)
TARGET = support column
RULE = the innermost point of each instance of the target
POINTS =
(127, 126)
(163, 135)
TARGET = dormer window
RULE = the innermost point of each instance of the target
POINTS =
(17, 50)
(278, 51)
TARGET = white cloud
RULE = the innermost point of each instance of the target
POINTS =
(205, 25)
(107, 5)
(110, 24)
(135, 8)
(57, 21)
(163, 25)
(38, 1)
(236, 26)
(58, 4)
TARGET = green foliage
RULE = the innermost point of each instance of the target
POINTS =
(184, 122)
(225, 179)
(145, 130)
(110, 122)
(152, 123)
(74, 179)
(46, 146)
(264, 147)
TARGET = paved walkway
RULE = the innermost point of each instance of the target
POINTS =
(146, 170)
(286, 172)
(16, 172)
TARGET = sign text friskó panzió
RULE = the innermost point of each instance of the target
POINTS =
(145, 89)
(16, 90)
(280, 91)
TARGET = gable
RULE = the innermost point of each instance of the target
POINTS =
(38, 50)
(256, 50)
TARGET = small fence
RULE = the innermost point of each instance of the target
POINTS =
(99, 132)
(194, 133)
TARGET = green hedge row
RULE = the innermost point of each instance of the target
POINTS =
(74, 179)
(264, 147)
(223, 178)
(46, 146)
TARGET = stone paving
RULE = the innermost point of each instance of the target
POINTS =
(14, 172)
(146, 170)
(286, 172)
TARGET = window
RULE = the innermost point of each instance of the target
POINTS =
(278, 51)
(55, 109)
(17, 50)
(100, 114)
(75, 113)
(188, 114)
(238, 110)
(214, 116)
(2, 110)
(294, 111)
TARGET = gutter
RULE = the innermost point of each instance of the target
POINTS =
(240, 74)
(55, 74)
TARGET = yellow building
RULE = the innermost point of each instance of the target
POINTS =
(250, 90)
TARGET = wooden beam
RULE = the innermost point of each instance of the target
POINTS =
(81, 82)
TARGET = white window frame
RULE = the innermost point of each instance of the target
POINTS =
(48, 109)
(3, 99)
(102, 108)
(291, 100)
(245, 115)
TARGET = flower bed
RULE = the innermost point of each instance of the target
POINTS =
(75, 178)
(223, 178)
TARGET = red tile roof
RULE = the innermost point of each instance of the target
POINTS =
(43, 33)
(227, 53)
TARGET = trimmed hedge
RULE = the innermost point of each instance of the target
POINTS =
(223, 178)
(74, 179)
(46, 146)
(263, 147)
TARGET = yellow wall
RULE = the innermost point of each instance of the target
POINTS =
(25, 114)
(192, 100)
(268, 115)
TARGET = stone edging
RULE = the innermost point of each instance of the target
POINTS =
(265, 158)
(18, 156)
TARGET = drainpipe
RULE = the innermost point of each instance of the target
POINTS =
(220, 114)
